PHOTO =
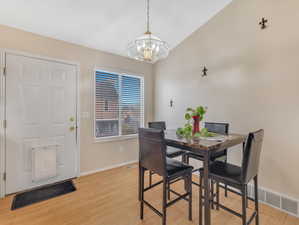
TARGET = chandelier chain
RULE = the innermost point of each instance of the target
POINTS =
(147, 16)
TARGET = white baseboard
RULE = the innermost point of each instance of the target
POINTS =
(107, 168)
(274, 199)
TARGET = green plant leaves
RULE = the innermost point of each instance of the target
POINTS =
(187, 116)
(201, 111)
(197, 135)
(186, 131)
(180, 131)
(204, 132)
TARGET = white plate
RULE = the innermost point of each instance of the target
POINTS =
(216, 138)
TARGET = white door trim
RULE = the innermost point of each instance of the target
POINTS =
(3, 53)
(2, 130)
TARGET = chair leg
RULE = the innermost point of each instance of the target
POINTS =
(217, 195)
(183, 158)
(256, 200)
(244, 204)
(200, 199)
(187, 159)
(212, 194)
(168, 191)
(225, 191)
(139, 184)
(150, 178)
(141, 174)
(164, 203)
(225, 186)
(246, 192)
(190, 195)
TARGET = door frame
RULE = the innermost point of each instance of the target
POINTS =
(3, 53)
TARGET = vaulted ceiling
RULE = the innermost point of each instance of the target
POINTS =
(108, 25)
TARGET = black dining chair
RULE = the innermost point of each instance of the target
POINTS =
(219, 128)
(171, 152)
(152, 156)
(239, 177)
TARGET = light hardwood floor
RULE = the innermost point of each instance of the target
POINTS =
(110, 198)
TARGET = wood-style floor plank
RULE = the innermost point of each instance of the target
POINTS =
(110, 198)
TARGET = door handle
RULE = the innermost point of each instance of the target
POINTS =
(72, 128)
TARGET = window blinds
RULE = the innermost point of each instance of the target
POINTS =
(131, 105)
(118, 104)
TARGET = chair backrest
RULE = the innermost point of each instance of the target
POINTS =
(252, 153)
(152, 150)
(220, 128)
(157, 125)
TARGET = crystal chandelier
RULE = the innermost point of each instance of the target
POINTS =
(148, 47)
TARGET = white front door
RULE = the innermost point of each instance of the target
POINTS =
(41, 133)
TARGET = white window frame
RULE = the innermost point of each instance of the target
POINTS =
(120, 136)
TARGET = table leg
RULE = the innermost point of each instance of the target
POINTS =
(207, 210)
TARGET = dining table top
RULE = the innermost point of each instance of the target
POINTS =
(217, 143)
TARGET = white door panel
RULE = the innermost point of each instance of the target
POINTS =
(40, 110)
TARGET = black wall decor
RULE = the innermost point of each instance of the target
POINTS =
(171, 103)
(204, 72)
(263, 23)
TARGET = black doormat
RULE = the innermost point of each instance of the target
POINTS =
(42, 194)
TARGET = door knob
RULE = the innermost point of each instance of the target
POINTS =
(72, 128)
(72, 119)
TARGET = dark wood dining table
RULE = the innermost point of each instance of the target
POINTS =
(205, 148)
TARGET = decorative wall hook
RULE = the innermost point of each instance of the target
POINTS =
(204, 72)
(171, 103)
(263, 23)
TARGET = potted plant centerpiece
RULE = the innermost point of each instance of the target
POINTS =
(193, 131)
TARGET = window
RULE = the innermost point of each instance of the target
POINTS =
(118, 104)
(106, 105)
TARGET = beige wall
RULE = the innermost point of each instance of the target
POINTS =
(93, 155)
(253, 82)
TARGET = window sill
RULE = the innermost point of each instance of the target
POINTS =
(116, 138)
